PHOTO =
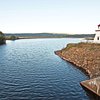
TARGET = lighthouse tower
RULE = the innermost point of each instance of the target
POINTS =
(97, 35)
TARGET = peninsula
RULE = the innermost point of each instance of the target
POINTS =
(86, 56)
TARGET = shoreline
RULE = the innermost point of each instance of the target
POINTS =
(85, 56)
(41, 38)
(80, 68)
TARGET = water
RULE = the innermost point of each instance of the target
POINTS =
(29, 70)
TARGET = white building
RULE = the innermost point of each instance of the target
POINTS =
(97, 35)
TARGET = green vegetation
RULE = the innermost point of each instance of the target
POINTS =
(11, 37)
(47, 35)
(89, 46)
(2, 38)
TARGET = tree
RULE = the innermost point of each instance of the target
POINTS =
(2, 38)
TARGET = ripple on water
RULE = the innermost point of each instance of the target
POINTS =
(29, 70)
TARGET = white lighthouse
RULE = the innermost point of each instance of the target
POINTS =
(97, 35)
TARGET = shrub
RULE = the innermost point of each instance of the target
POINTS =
(13, 37)
(2, 38)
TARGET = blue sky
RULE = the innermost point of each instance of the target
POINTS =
(58, 16)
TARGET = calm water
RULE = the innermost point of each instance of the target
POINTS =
(29, 70)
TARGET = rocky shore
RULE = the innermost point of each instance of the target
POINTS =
(86, 56)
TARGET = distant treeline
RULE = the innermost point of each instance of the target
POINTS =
(48, 35)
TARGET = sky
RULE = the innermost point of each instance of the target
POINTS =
(53, 16)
